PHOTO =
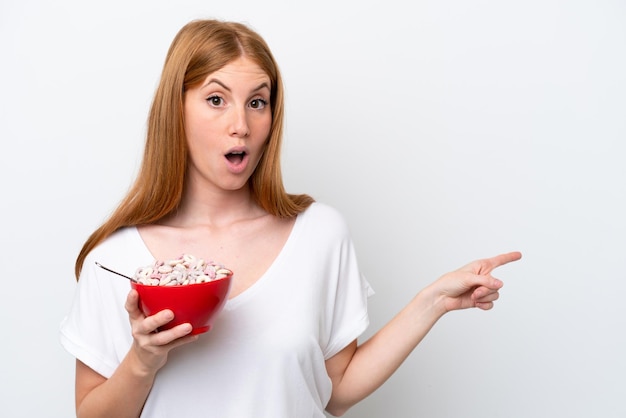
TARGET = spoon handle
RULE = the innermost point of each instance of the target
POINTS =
(113, 271)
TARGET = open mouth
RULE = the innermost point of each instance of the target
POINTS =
(235, 157)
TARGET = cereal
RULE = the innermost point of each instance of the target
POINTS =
(184, 270)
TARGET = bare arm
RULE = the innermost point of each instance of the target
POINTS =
(125, 392)
(357, 371)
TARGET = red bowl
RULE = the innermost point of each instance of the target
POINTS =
(197, 304)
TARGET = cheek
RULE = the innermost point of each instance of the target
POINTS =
(198, 132)
(264, 127)
(193, 140)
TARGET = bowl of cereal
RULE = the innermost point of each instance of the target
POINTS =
(194, 289)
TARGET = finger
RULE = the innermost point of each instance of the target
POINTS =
(173, 337)
(489, 264)
(506, 258)
(132, 305)
(166, 336)
(154, 322)
(485, 306)
(485, 296)
(184, 340)
(483, 283)
(176, 336)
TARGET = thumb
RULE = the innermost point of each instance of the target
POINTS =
(473, 280)
(486, 285)
(493, 283)
(132, 303)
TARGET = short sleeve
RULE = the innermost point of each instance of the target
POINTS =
(96, 329)
(348, 292)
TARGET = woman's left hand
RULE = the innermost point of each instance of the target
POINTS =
(471, 285)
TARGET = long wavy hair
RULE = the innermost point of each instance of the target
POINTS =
(200, 48)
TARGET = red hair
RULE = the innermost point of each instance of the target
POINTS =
(199, 49)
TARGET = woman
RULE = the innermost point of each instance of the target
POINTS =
(210, 185)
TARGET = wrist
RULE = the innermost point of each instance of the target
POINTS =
(433, 301)
(138, 368)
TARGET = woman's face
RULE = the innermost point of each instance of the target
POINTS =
(227, 122)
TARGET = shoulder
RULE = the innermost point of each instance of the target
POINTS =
(319, 211)
(114, 242)
(325, 219)
(121, 251)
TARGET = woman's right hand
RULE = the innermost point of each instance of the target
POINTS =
(124, 393)
(151, 347)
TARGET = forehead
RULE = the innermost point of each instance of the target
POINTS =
(241, 69)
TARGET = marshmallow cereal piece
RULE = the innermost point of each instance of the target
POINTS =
(182, 271)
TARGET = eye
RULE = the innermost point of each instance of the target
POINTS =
(258, 103)
(215, 100)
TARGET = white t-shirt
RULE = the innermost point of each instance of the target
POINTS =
(264, 356)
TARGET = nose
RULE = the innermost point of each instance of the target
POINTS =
(239, 124)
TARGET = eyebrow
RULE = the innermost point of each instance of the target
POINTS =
(216, 81)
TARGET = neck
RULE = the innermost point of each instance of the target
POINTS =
(212, 207)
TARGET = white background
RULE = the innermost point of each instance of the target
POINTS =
(444, 130)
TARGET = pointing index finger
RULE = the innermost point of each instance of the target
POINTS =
(500, 260)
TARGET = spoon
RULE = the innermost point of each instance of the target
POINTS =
(113, 271)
